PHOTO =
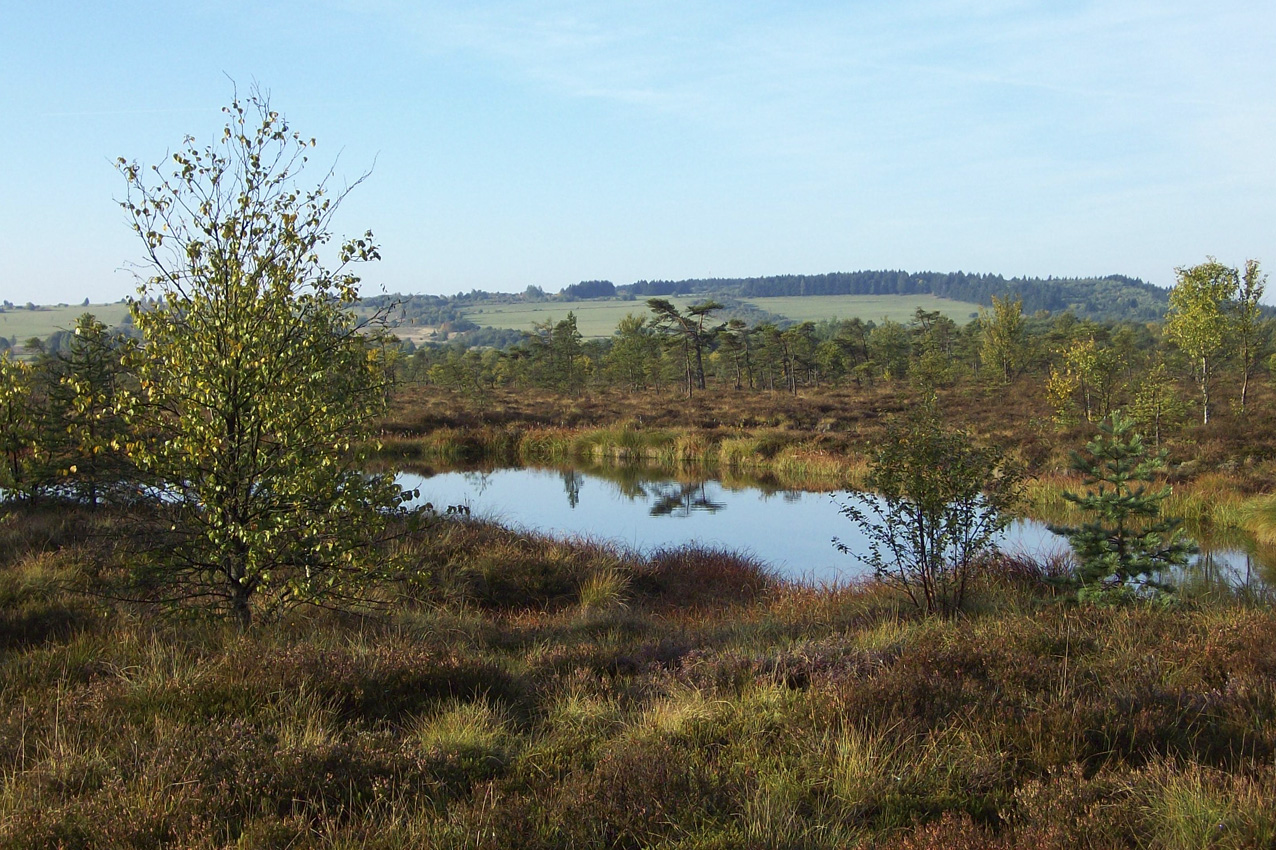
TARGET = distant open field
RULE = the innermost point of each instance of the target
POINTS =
(593, 318)
(22, 324)
(599, 318)
(899, 308)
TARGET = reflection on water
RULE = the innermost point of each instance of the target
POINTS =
(679, 500)
(789, 529)
(1237, 567)
(571, 483)
(478, 481)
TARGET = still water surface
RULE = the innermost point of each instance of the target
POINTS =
(790, 530)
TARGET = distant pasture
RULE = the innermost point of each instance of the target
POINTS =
(599, 318)
(897, 308)
(21, 324)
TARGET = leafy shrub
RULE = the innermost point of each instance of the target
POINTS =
(938, 505)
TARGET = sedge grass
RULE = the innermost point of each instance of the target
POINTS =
(1190, 806)
(1258, 516)
(794, 462)
(1206, 504)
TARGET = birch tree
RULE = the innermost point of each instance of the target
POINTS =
(1252, 330)
(257, 383)
(1199, 322)
(1005, 336)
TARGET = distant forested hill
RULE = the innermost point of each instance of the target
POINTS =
(425, 318)
(1109, 297)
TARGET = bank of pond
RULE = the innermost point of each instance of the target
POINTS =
(643, 507)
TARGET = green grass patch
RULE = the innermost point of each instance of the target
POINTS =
(22, 324)
(594, 319)
(598, 319)
(898, 308)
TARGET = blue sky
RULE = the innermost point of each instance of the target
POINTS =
(515, 143)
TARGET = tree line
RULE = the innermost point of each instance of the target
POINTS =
(1214, 329)
(1103, 297)
(1107, 297)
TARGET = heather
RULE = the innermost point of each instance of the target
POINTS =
(506, 690)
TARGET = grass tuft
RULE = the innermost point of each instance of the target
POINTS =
(603, 591)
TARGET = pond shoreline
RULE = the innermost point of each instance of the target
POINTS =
(1210, 504)
(646, 506)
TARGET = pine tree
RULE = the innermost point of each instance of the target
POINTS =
(87, 432)
(1126, 540)
(686, 329)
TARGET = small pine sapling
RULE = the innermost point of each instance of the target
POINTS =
(1126, 540)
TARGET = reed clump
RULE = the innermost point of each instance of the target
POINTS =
(547, 446)
(624, 443)
(1258, 516)
(793, 460)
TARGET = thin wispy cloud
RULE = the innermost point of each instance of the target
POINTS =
(665, 57)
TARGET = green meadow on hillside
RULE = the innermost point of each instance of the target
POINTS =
(598, 318)
(897, 308)
(593, 318)
(21, 324)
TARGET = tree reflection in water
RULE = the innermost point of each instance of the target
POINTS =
(681, 500)
(572, 479)
(631, 504)
(480, 480)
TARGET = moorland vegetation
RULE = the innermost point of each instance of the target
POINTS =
(219, 626)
